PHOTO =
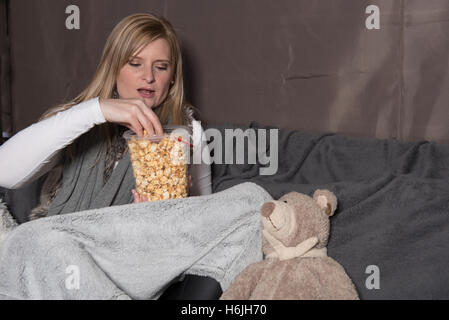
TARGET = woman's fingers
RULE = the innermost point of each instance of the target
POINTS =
(144, 123)
(138, 120)
(135, 126)
(151, 119)
(138, 198)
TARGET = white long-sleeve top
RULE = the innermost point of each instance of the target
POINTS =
(35, 150)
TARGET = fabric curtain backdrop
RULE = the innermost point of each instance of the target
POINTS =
(299, 64)
(5, 92)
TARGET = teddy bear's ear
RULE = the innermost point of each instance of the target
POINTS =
(326, 200)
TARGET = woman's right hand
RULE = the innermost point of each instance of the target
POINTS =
(137, 197)
(131, 113)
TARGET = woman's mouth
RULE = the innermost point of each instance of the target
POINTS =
(145, 93)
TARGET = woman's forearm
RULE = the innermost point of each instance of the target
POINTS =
(37, 149)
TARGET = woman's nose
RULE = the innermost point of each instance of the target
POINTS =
(149, 76)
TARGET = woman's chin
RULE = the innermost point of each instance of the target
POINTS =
(149, 102)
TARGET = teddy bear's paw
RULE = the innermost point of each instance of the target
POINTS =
(272, 255)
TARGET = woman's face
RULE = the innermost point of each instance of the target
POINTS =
(147, 75)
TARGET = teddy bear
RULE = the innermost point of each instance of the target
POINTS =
(296, 265)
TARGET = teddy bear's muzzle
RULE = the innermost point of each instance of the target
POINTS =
(267, 209)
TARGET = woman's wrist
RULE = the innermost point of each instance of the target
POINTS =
(97, 113)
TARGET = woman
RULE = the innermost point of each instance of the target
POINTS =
(138, 85)
(135, 250)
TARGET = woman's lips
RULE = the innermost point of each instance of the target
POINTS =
(146, 93)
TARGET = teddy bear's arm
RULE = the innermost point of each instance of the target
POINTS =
(275, 243)
(244, 284)
(285, 253)
(299, 250)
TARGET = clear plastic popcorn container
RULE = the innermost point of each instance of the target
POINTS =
(161, 163)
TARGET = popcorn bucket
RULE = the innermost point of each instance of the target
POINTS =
(161, 163)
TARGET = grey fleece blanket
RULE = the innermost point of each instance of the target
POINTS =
(391, 229)
(133, 251)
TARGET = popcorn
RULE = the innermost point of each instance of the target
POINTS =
(159, 167)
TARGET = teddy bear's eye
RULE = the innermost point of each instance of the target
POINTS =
(285, 201)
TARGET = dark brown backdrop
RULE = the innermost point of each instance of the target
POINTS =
(300, 64)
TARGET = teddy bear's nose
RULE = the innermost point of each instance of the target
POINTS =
(267, 209)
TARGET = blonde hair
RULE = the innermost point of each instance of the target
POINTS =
(128, 37)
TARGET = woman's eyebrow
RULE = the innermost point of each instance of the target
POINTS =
(158, 60)
(162, 60)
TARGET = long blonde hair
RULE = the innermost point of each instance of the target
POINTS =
(128, 36)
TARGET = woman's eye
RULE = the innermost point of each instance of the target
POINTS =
(161, 67)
